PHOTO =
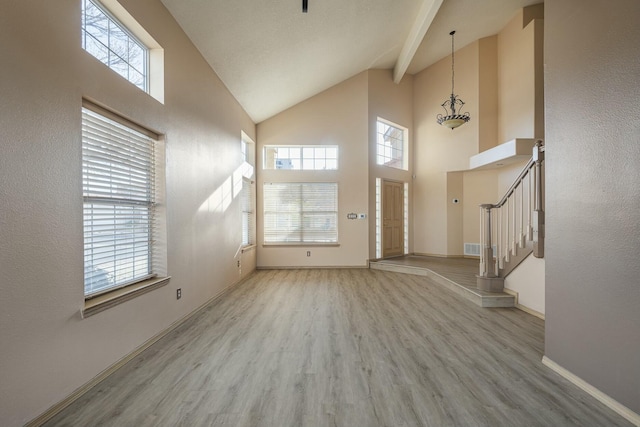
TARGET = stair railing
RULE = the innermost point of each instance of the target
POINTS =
(516, 219)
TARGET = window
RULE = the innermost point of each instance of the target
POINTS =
(391, 144)
(248, 195)
(106, 38)
(119, 192)
(248, 212)
(300, 212)
(301, 157)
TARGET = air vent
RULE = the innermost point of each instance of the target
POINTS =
(473, 249)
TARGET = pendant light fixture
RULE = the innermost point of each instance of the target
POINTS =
(452, 106)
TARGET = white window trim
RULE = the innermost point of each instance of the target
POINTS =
(95, 303)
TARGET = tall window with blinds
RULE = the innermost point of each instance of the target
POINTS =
(248, 212)
(118, 180)
(300, 212)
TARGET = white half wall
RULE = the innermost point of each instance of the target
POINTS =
(528, 281)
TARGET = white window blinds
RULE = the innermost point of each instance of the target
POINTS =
(248, 212)
(118, 177)
(300, 212)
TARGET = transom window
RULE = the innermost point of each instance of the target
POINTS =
(307, 157)
(300, 212)
(106, 38)
(391, 145)
(118, 181)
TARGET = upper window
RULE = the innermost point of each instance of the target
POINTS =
(391, 145)
(106, 38)
(114, 37)
(306, 157)
(119, 191)
(300, 212)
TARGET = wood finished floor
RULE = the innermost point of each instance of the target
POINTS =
(460, 270)
(351, 347)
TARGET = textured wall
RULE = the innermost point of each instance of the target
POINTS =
(392, 102)
(439, 150)
(592, 64)
(337, 116)
(47, 350)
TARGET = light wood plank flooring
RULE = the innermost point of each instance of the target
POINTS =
(350, 347)
(460, 270)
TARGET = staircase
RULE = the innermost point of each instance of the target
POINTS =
(514, 225)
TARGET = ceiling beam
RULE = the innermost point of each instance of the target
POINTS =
(420, 26)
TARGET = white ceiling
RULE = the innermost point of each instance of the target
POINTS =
(271, 56)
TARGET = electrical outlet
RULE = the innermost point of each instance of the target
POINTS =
(178, 293)
(308, 253)
(238, 263)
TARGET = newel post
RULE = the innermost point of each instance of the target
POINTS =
(538, 208)
(486, 246)
(488, 279)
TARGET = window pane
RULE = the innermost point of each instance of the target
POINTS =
(97, 49)
(136, 56)
(96, 23)
(307, 153)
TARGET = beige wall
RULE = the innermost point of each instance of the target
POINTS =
(47, 349)
(488, 107)
(337, 116)
(499, 78)
(592, 64)
(439, 150)
(455, 213)
(528, 281)
(479, 187)
(344, 115)
(520, 88)
(392, 102)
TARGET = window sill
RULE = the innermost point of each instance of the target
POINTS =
(247, 248)
(118, 296)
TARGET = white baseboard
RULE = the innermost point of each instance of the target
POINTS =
(614, 405)
(524, 308)
(58, 407)
(310, 267)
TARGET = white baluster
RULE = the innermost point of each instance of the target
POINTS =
(529, 207)
(482, 269)
(522, 234)
(507, 239)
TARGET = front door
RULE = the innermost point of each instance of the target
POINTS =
(392, 218)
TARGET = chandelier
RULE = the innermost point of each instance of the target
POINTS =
(452, 106)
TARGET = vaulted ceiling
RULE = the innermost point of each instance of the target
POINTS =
(272, 56)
